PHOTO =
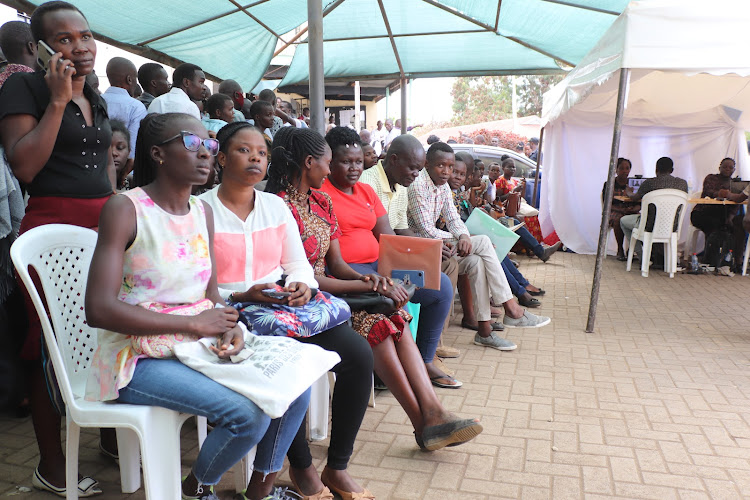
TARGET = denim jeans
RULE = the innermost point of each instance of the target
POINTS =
(528, 241)
(516, 280)
(434, 308)
(239, 423)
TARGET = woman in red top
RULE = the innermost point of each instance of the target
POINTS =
(300, 162)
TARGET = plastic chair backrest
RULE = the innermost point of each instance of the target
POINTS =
(61, 254)
(670, 208)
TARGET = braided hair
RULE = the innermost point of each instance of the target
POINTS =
(291, 146)
(153, 130)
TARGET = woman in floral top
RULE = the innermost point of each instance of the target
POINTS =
(300, 162)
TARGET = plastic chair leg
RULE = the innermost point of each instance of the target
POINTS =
(631, 249)
(745, 258)
(646, 257)
(317, 412)
(72, 441)
(160, 442)
(201, 425)
(129, 451)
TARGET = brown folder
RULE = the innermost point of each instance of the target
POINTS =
(409, 253)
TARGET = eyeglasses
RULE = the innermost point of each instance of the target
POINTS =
(193, 143)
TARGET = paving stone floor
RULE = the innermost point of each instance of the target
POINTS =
(654, 404)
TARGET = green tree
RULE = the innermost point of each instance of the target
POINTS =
(529, 92)
(482, 99)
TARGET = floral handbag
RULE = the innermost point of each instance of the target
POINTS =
(162, 346)
(323, 312)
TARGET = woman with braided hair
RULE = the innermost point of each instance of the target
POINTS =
(246, 220)
(301, 159)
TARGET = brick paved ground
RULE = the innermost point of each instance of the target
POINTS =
(655, 404)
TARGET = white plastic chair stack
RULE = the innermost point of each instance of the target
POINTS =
(61, 254)
(670, 205)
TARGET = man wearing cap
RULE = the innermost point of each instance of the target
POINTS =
(534, 145)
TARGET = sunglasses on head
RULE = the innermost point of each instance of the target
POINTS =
(193, 143)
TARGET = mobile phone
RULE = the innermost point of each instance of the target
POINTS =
(275, 294)
(43, 54)
(409, 277)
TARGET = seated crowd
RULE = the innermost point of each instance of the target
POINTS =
(131, 168)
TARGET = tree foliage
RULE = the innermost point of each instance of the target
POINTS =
(487, 98)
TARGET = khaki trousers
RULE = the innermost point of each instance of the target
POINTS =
(486, 277)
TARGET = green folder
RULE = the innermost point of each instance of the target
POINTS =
(501, 237)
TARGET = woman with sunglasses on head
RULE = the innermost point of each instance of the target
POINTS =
(56, 134)
(246, 221)
(301, 159)
(155, 246)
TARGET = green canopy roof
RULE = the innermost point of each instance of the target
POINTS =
(363, 38)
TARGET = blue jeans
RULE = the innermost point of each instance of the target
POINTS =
(529, 242)
(515, 279)
(435, 305)
(239, 423)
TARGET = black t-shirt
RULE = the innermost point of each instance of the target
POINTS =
(77, 167)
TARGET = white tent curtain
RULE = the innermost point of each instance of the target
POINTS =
(694, 114)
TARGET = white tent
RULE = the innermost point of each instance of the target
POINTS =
(688, 98)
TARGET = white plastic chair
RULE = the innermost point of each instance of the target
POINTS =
(669, 205)
(60, 255)
(317, 412)
(745, 257)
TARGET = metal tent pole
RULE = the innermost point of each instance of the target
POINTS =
(403, 104)
(604, 228)
(357, 103)
(536, 174)
(315, 48)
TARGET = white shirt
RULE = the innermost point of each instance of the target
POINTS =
(175, 101)
(395, 132)
(120, 106)
(259, 249)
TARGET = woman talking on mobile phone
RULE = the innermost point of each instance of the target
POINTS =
(56, 134)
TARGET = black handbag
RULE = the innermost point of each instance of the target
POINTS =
(373, 302)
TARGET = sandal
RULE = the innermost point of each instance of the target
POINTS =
(351, 495)
(436, 382)
(439, 436)
(324, 494)
(496, 327)
(87, 487)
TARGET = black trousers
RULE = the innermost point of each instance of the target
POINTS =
(350, 396)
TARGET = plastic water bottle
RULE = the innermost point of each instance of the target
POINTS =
(729, 259)
(694, 265)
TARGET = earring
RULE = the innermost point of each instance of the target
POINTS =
(161, 162)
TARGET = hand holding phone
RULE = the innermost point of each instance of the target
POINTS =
(59, 75)
(275, 294)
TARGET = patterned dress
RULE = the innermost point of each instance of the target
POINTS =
(318, 225)
(169, 263)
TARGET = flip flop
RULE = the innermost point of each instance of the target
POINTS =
(439, 436)
(436, 382)
(87, 487)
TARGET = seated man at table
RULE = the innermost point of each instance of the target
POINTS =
(710, 218)
(663, 180)
(430, 198)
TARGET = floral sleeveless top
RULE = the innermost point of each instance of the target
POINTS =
(168, 262)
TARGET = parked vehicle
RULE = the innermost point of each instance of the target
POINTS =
(525, 167)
